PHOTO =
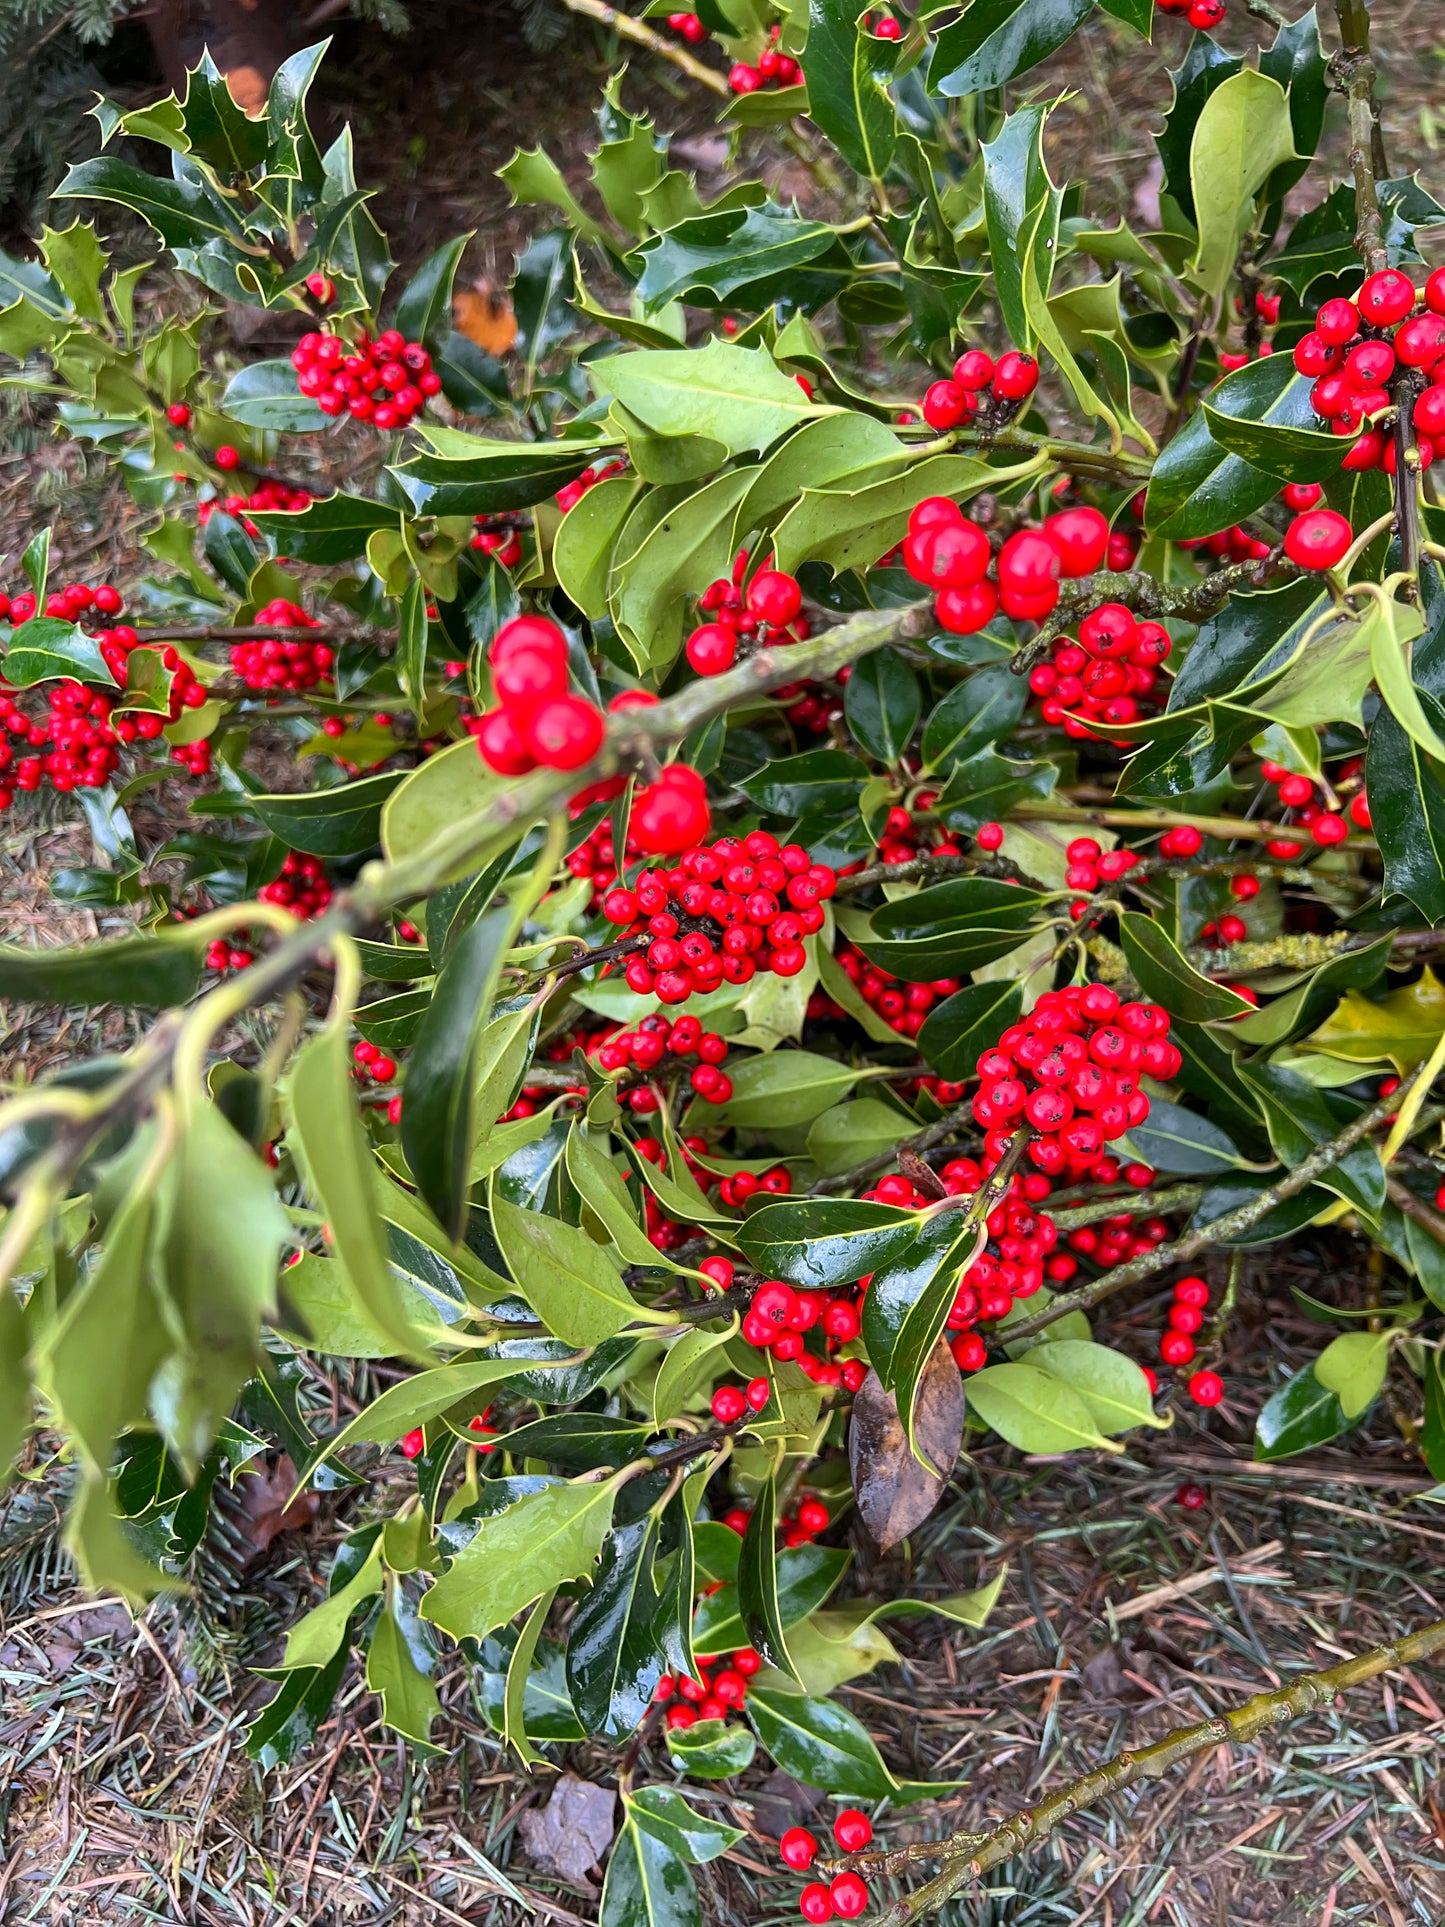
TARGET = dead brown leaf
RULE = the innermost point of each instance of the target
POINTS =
(485, 316)
(572, 1832)
(264, 1510)
(895, 1493)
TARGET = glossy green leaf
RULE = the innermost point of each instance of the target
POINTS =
(329, 822)
(438, 1121)
(572, 1284)
(819, 780)
(1182, 1142)
(264, 395)
(821, 1243)
(546, 1539)
(425, 309)
(614, 1661)
(711, 1750)
(409, 1702)
(994, 40)
(1299, 1416)
(647, 1884)
(1269, 421)
(1165, 975)
(666, 1815)
(819, 1743)
(784, 1087)
(735, 396)
(328, 1135)
(974, 717)
(47, 647)
(883, 703)
(958, 1031)
(849, 68)
(758, 1581)
(139, 972)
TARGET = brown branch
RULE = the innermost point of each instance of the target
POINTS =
(1230, 1224)
(1148, 597)
(967, 1856)
(942, 1128)
(1425, 1215)
(626, 28)
(1355, 74)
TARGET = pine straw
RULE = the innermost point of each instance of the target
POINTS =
(129, 1797)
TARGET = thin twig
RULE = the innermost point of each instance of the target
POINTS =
(626, 28)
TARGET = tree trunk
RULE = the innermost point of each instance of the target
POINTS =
(247, 39)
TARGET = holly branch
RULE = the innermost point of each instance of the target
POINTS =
(968, 1856)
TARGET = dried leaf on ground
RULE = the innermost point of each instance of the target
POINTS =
(570, 1835)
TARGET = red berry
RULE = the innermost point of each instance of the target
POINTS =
(178, 415)
(774, 598)
(1300, 496)
(1029, 565)
(1190, 1496)
(815, 1903)
(565, 733)
(848, 1895)
(1318, 539)
(1081, 537)
(799, 1849)
(226, 457)
(1191, 1291)
(413, 1444)
(973, 369)
(852, 1830)
(712, 649)
(1206, 1388)
(946, 405)
(1337, 322)
(989, 836)
(728, 1404)
(1176, 1348)
(1385, 298)
(1016, 376)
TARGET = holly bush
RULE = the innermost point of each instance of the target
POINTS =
(876, 782)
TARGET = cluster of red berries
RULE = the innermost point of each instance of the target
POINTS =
(726, 911)
(775, 1182)
(537, 719)
(1266, 308)
(229, 953)
(904, 831)
(266, 495)
(273, 665)
(1069, 1071)
(76, 602)
(1109, 675)
(1233, 544)
(1356, 348)
(500, 540)
(712, 1697)
(689, 26)
(1088, 866)
(1117, 1238)
(952, 556)
(770, 608)
(413, 1444)
(644, 1048)
(116, 648)
(571, 495)
(980, 386)
(778, 1319)
(845, 1897)
(303, 886)
(774, 69)
(1176, 1347)
(903, 1007)
(810, 705)
(1201, 14)
(1298, 796)
(384, 382)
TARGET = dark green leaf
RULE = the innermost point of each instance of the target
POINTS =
(951, 927)
(335, 529)
(332, 822)
(957, 1032)
(821, 1243)
(848, 73)
(230, 551)
(579, 1441)
(883, 703)
(265, 395)
(1199, 486)
(1165, 975)
(1299, 1416)
(287, 1724)
(613, 1659)
(647, 1885)
(471, 476)
(993, 40)
(693, 1836)
(439, 1117)
(47, 647)
(973, 717)
(819, 1743)
(424, 311)
(758, 1581)
(1173, 1139)
(1244, 641)
(139, 972)
(1264, 413)
(806, 1577)
(712, 1751)
(820, 779)
(1206, 67)
(709, 259)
